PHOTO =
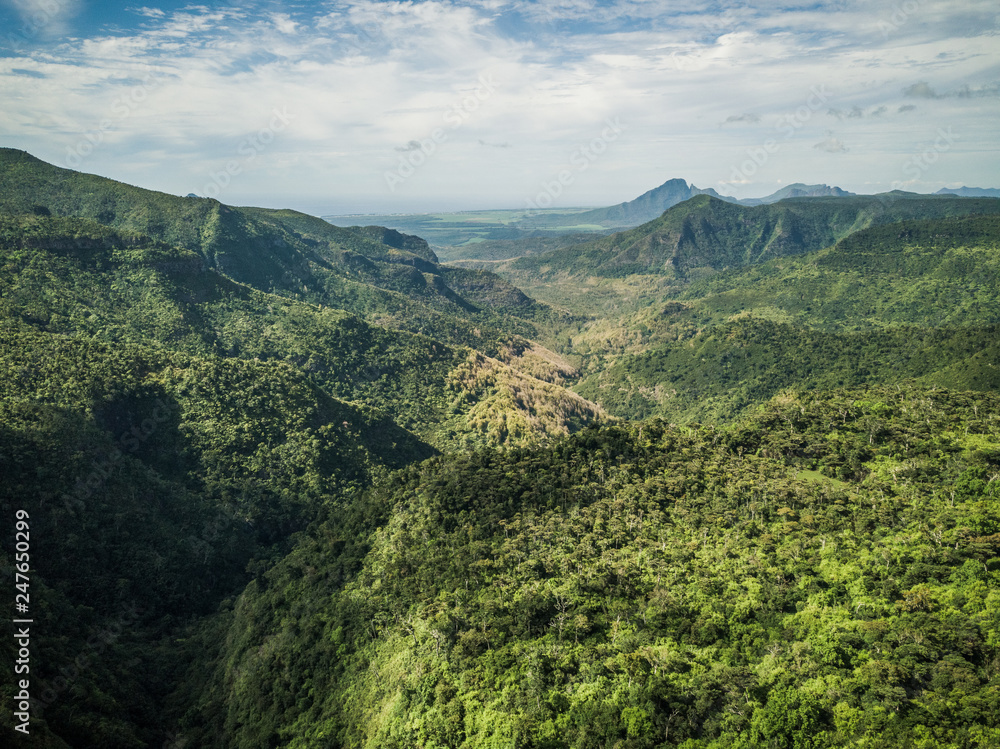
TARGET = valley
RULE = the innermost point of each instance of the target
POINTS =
(684, 471)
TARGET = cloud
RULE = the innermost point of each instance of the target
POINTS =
(28, 73)
(367, 80)
(921, 90)
(284, 23)
(856, 112)
(749, 118)
(967, 92)
(831, 145)
(43, 19)
(149, 12)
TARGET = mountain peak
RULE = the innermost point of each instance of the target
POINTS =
(970, 192)
(648, 206)
(799, 190)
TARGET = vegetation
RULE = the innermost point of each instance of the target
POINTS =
(154, 482)
(823, 574)
(943, 272)
(382, 276)
(727, 368)
(75, 277)
(916, 301)
(704, 234)
(294, 485)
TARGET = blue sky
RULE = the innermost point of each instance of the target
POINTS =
(368, 106)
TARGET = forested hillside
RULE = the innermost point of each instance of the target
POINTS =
(182, 396)
(78, 277)
(371, 272)
(156, 483)
(705, 234)
(731, 482)
(823, 574)
(914, 301)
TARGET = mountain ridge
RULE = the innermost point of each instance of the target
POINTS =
(309, 487)
(653, 203)
(279, 251)
(970, 192)
(705, 234)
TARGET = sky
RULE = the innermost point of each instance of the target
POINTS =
(383, 107)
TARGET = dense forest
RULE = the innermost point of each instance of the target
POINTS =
(822, 574)
(729, 478)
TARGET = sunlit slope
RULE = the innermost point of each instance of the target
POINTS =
(911, 301)
(383, 276)
(80, 278)
(822, 574)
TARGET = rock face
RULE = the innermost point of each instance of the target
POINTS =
(648, 206)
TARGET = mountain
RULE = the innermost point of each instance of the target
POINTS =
(294, 485)
(370, 272)
(934, 273)
(821, 574)
(646, 207)
(650, 205)
(916, 301)
(182, 401)
(153, 483)
(970, 192)
(798, 190)
(705, 235)
(74, 276)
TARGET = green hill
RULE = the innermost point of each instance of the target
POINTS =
(704, 235)
(154, 482)
(76, 277)
(727, 368)
(260, 284)
(294, 485)
(372, 272)
(931, 272)
(174, 414)
(910, 301)
(824, 574)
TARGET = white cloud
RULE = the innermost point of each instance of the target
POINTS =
(42, 19)
(365, 78)
(284, 23)
(831, 145)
